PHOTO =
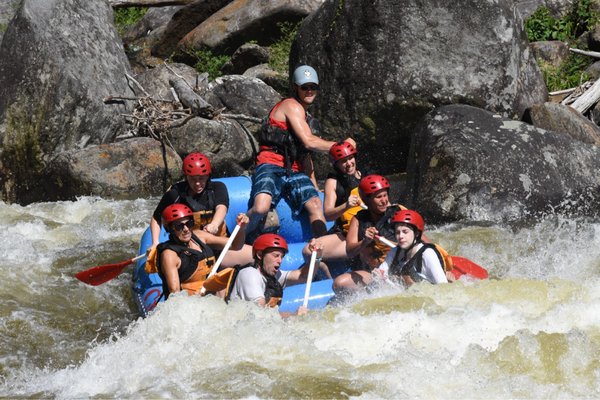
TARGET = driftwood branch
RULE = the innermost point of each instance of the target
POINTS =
(148, 3)
(132, 79)
(116, 99)
(594, 54)
(579, 90)
(191, 99)
(564, 91)
(241, 117)
(587, 99)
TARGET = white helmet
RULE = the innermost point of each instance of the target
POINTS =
(305, 74)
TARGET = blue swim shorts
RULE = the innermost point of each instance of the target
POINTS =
(296, 189)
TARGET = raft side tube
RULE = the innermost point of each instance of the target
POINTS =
(320, 294)
(294, 230)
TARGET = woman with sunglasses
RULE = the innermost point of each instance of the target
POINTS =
(184, 261)
(283, 164)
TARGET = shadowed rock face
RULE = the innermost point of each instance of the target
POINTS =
(58, 60)
(469, 164)
(384, 65)
(8, 9)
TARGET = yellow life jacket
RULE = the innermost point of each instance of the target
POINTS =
(447, 263)
(193, 283)
(344, 220)
(205, 217)
(151, 266)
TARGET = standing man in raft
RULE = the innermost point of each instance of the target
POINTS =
(286, 141)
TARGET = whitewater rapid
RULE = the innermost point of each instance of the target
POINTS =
(531, 331)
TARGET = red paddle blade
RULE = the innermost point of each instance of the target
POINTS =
(102, 273)
(464, 266)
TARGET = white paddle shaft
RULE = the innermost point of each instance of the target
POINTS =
(222, 255)
(309, 278)
(386, 241)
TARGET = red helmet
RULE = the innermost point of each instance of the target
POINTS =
(267, 241)
(341, 150)
(174, 212)
(371, 184)
(409, 217)
(196, 164)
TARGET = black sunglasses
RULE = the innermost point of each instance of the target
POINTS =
(178, 227)
(314, 88)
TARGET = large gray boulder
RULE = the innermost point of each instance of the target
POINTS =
(183, 22)
(130, 169)
(467, 164)
(155, 19)
(384, 65)
(244, 20)
(552, 52)
(564, 119)
(229, 146)
(58, 60)
(240, 94)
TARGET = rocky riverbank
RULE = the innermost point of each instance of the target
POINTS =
(450, 93)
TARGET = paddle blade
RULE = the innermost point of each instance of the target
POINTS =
(464, 266)
(218, 281)
(102, 273)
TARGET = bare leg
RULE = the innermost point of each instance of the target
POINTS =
(351, 282)
(334, 247)
(260, 208)
(314, 207)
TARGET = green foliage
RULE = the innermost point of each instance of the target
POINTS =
(207, 61)
(127, 16)
(543, 26)
(280, 50)
(569, 74)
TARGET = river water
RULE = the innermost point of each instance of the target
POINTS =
(531, 331)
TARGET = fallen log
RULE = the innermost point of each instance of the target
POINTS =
(191, 99)
(588, 98)
(147, 3)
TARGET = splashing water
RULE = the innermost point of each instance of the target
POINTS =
(531, 331)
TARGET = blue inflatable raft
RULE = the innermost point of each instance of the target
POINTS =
(147, 288)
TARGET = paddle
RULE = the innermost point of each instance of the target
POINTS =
(222, 255)
(309, 278)
(385, 241)
(468, 267)
(462, 265)
(103, 273)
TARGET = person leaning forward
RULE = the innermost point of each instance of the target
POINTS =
(364, 229)
(286, 141)
(262, 281)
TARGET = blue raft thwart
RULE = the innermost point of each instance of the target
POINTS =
(147, 288)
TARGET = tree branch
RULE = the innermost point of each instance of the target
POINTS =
(594, 54)
(147, 3)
